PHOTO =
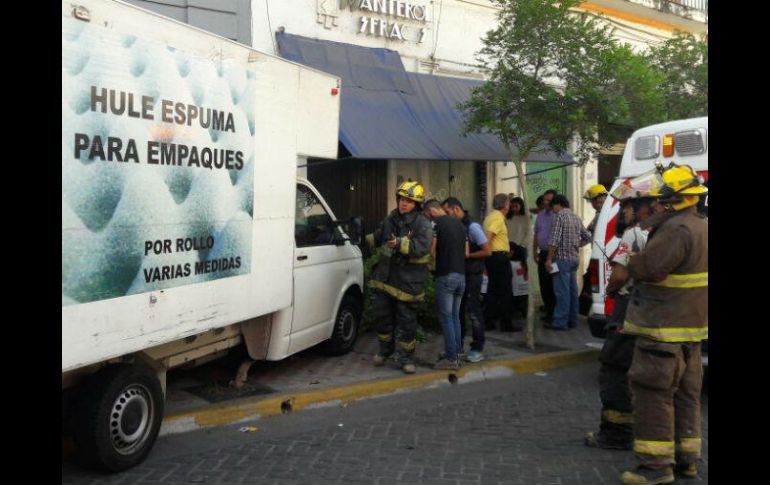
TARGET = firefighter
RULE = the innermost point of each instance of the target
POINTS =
(616, 424)
(399, 277)
(668, 313)
(596, 194)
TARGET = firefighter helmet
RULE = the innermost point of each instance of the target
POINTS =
(412, 191)
(595, 191)
(637, 187)
(680, 187)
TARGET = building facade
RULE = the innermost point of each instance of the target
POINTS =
(430, 38)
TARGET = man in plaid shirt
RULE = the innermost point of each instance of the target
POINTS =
(567, 236)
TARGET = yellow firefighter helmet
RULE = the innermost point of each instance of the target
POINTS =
(677, 187)
(412, 191)
(680, 187)
(595, 191)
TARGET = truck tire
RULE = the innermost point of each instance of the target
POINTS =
(346, 325)
(119, 412)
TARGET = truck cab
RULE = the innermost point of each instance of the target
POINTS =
(327, 281)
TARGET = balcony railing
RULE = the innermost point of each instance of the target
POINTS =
(691, 9)
(699, 5)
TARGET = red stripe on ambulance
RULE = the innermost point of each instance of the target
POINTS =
(610, 231)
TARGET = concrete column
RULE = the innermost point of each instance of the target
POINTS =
(392, 184)
(491, 186)
(504, 171)
(423, 170)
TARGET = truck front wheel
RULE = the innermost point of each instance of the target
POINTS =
(120, 409)
(345, 327)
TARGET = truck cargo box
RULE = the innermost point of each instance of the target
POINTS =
(179, 156)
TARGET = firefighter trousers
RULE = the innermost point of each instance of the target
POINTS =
(666, 381)
(396, 323)
(617, 418)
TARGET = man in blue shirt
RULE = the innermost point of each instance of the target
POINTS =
(479, 250)
(543, 225)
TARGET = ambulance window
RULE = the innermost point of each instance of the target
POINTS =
(647, 147)
(312, 224)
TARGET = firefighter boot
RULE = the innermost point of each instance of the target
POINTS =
(386, 349)
(405, 352)
(648, 476)
(686, 470)
(404, 361)
(597, 440)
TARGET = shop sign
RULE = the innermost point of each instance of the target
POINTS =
(392, 19)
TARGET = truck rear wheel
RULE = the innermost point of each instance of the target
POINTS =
(120, 409)
(345, 327)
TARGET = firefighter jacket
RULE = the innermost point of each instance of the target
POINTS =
(669, 302)
(401, 272)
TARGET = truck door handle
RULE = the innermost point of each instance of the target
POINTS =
(301, 258)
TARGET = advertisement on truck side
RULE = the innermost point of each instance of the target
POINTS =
(157, 165)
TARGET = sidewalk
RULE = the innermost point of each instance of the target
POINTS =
(202, 397)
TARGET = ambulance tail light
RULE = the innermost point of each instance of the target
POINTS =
(609, 306)
(593, 273)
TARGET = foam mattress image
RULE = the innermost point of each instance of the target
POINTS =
(157, 166)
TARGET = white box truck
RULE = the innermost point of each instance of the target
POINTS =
(185, 229)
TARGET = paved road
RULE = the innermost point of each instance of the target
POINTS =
(522, 430)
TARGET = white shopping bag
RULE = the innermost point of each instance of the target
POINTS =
(520, 280)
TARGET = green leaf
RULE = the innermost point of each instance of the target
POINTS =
(556, 75)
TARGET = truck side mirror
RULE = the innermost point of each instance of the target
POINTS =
(353, 229)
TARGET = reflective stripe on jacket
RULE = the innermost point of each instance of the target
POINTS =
(669, 302)
(402, 272)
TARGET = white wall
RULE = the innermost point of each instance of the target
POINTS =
(505, 170)
(302, 166)
(454, 29)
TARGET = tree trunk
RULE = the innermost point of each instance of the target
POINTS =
(517, 160)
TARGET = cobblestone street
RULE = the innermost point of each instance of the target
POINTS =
(522, 430)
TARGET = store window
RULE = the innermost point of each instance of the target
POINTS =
(542, 177)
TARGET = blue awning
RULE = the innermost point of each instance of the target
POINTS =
(389, 113)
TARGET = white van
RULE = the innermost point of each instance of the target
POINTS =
(185, 229)
(684, 142)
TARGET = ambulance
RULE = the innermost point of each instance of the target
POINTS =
(684, 142)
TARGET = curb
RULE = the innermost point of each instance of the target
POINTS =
(247, 409)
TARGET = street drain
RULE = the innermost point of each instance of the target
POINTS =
(452, 379)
